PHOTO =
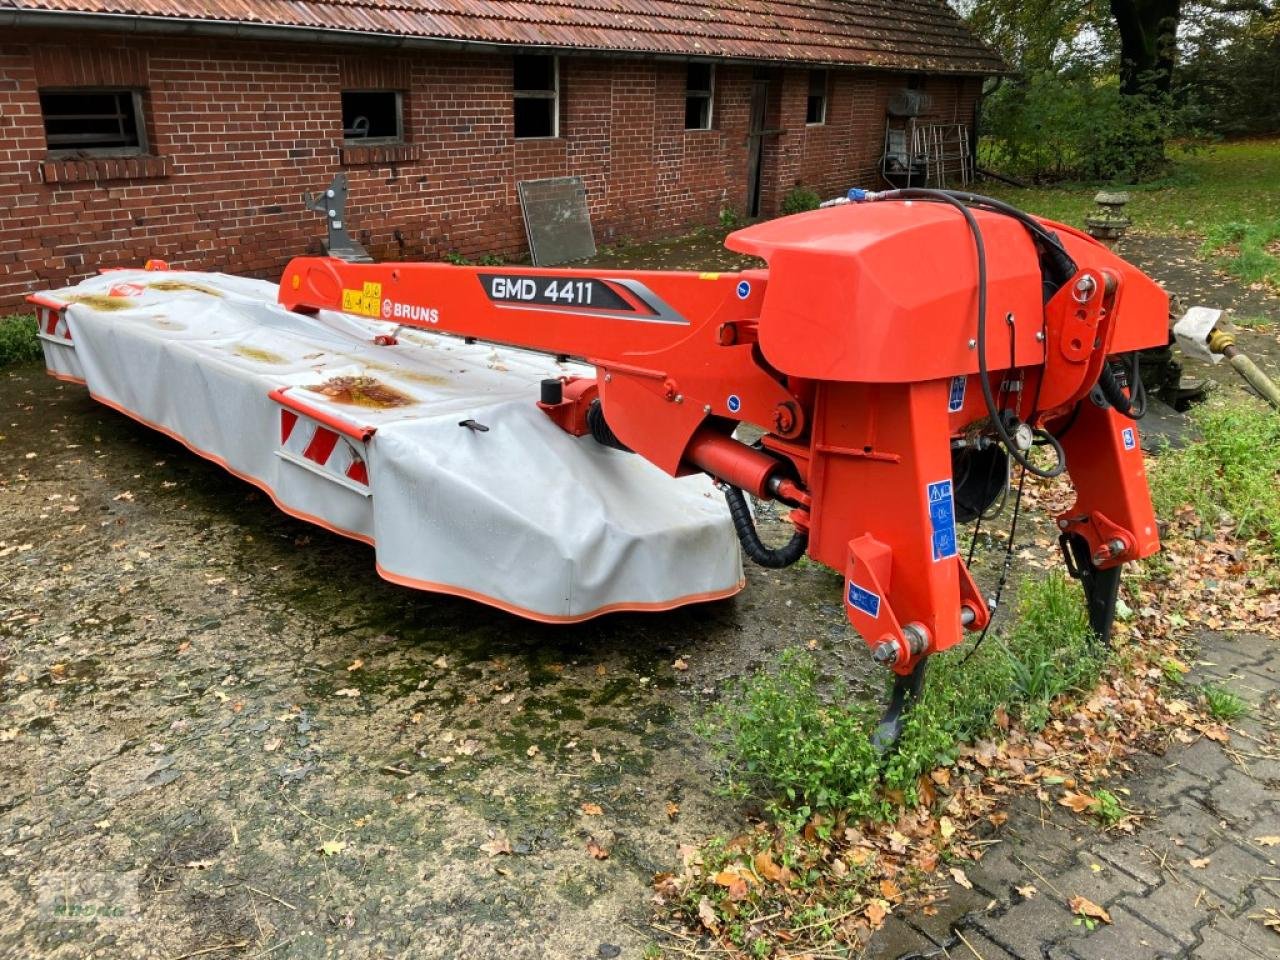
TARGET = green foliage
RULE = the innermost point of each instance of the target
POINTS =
(457, 259)
(1244, 249)
(18, 341)
(800, 742)
(1232, 474)
(729, 218)
(1229, 72)
(1223, 703)
(1107, 808)
(1217, 184)
(799, 200)
(1073, 125)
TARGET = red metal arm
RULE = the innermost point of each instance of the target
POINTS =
(856, 353)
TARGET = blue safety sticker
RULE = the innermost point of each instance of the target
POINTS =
(744, 289)
(864, 600)
(955, 400)
(1130, 438)
(734, 403)
(942, 519)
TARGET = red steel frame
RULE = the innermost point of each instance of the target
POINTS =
(849, 352)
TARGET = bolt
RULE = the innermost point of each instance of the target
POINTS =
(1084, 288)
(679, 398)
(1062, 524)
(608, 378)
(972, 343)
(706, 408)
(1117, 546)
(885, 653)
(1040, 336)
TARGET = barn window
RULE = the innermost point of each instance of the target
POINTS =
(537, 97)
(816, 112)
(698, 94)
(97, 121)
(372, 116)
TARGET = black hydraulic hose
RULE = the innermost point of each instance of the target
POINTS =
(993, 410)
(601, 430)
(773, 557)
(1134, 404)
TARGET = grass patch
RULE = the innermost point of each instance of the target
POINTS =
(800, 744)
(18, 341)
(1223, 703)
(1235, 182)
(1231, 476)
(1246, 250)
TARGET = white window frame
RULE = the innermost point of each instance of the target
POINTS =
(553, 95)
(826, 97)
(711, 101)
(376, 141)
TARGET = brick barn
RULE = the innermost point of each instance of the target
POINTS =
(189, 129)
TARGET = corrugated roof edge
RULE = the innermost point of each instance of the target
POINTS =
(242, 30)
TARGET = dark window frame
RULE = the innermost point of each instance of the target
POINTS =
(704, 97)
(352, 141)
(822, 96)
(62, 145)
(552, 94)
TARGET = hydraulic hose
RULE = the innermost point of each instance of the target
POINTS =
(773, 557)
(1133, 404)
(1057, 262)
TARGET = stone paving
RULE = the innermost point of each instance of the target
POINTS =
(1191, 882)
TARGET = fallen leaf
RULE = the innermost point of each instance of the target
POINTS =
(673, 809)
(766, 867)
(959, 877)
(876, 911)
(1268, 841)
(1199, 863)
(355, 664)
(1027, 892)
(680, 664)
(947, 828)
(1079, 802)
(1087, 908)
(347, 692)
(707, 914)
(593, 810)
(272, 745)
(597, 851)
(442, 662)
(498, 845)
(533, 751)
(332, 848)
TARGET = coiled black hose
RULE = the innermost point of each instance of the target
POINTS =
(601, 430)
(773, 557)
(1132, 405)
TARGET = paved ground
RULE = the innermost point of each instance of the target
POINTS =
(1191, 882)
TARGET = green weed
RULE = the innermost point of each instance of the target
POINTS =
(799, 742)
(1106, 807)
(18, 341)
(1223, 703)
(1233, 474)
(799, 200)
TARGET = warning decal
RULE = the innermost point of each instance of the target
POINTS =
(864, 600)
(942, 519)
(955, 399)
(366, 302)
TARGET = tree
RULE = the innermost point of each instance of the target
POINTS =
(1148, 44)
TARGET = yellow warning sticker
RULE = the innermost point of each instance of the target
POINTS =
(708, 276)
(367, 302)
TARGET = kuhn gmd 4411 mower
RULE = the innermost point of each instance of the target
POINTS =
(899, 353)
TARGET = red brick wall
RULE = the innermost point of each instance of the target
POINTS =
(238, 131)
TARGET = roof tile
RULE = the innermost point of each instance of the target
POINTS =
(907, 34)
